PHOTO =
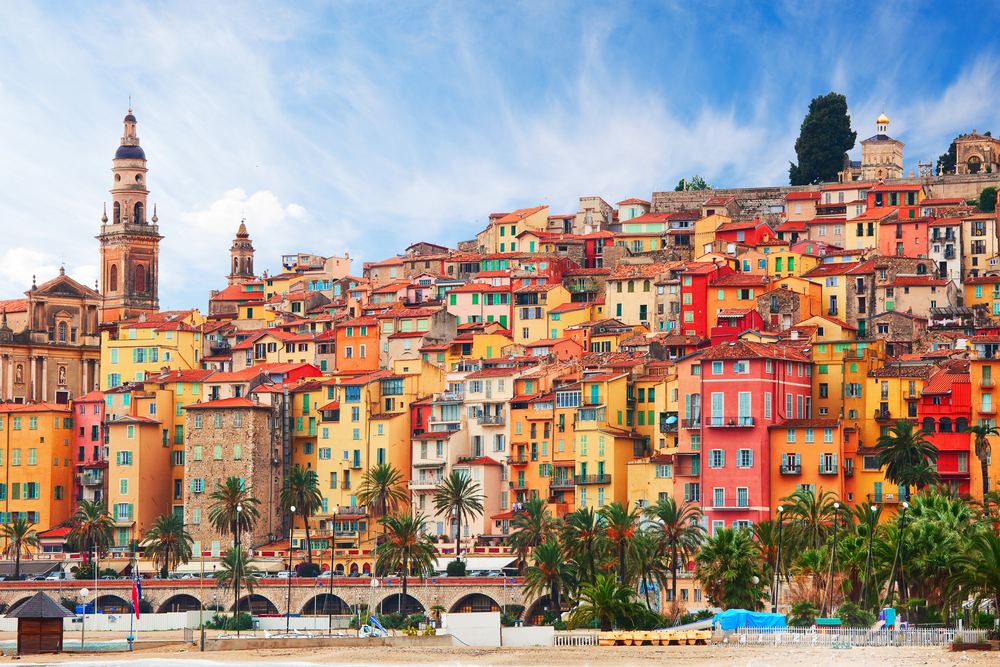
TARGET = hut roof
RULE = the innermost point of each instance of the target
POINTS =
(40, 606)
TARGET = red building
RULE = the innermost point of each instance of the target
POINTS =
(596, 243)
(745, 387)
(944, 410)
(695, 280)
(731, 322)
(88, 444)
(907, 198)
(749, 232)
(903, 237)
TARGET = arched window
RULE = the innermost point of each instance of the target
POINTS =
(118, 213)
(137, 214)
(250, 266)
(921, 269)
(929, 424)
(236, 264)
(113, 274)
(140, 278)
(961, 423)
(62, 332)
(945, 425)
(975, 164)
(631, 286)
(645, 286)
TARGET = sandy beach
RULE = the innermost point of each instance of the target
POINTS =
(695, 656)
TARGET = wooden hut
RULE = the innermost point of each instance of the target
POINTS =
(40, 625)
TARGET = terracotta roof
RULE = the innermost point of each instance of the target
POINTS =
(737, 226)
(493, 372)
(238, 376)
(718, 201)
(536, 288)
(33, 407)
(792, 196)
(197, 375)
(941, 382)
(807, 423)
(916, 281)
(386, 262)
(517, 215)
(633, 201)
(945, 222)
(744, 349)
(900, 187)
(226, 403)
(481, 461)
(14, 305)
(548, 342)
(942, 202)
(569, 307)
(830, 269)
(740, 280)
(401, 313)
(735, 312)
(627, 271)
(585, 272)
(876, 214)
(791, 226)
(479, 288)
(93, 397)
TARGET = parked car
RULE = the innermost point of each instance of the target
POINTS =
(56, 576)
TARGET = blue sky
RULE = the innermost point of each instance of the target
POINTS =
(362, 127)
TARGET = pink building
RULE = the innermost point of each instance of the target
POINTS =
(88, 441)
(724, 459)
(481, 302)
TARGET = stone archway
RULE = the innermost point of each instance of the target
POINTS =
(257, 605)
(180, 602)
(475, 602)
(397, 602)
(536, 611)
(325, 604)
(113, 604)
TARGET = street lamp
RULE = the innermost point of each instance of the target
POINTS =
(868, 565)
(288, 602)
(84, 592)
(833, 557)
(239, 554)
(777, 568)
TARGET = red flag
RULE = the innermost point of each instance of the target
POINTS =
(136, 591)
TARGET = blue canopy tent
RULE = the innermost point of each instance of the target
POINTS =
(741, 618)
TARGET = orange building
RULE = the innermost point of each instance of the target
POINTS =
(813, 454)
(357, 345)
(734, 290)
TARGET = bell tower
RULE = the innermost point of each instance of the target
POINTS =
(241, 256)
(130, 244)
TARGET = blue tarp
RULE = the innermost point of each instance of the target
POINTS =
(741, 618)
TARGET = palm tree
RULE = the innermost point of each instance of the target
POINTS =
(581, 532)
(234, 509)
(532, 527)
(981, 441)
(382, 490)
(406, 547)
(168, 542)
(620, 527)
(550, 573)
(814, 563)
(21, 538)
(648, 563)
(766, 538)
(812, 510)
(676, 530)
(458, 496)
(237, 569)
(901, 450)
(602, 603)
(92, 527)
(726, 567)
(301, 491)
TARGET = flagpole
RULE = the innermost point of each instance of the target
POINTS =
(135, 598)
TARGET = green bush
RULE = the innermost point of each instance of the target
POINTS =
(853, 616)
(308, 569)
(456, 568)
(218, 622)
(85, 571)
(803, 614)
(414, 620)
(983, 621)
(391, 621)
(145, 607)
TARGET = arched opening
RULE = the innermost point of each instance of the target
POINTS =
(62, 332)
(921, 269)
(257, 605)
(118, 213)
(536, 612)
(140, 278)
(944, 426)
(340, 569)
(631, 286)
(180, 602)
(236, 265)
(325, 604)
(645, 286)
(367, 568)
(250, 265)
(137, 216)
(399, 603)
(961, 423)
(113, 277)
(474, 603)
(354, 568)
(975, 163)
(928, 424)
(112, 604)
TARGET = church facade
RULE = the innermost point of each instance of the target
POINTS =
(977, 153)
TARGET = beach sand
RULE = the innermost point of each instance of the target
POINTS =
(621, 656)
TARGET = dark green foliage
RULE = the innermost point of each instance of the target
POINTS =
(696, 182)
(514, 614)
(983, 621)
(68, 603)
(456, 568)
(218, 622)
(145, 607)
(988, 200)
(824, 139)
(308, 569)
(85, 572)
(853, 616)
(946, 163)
(803, 614)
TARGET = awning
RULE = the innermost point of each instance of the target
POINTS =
(476, 564)
(194, 566)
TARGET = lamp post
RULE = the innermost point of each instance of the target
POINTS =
(897, 559)
(239, 557)
(329, 600)
(288, 600)
(868, 564)
(777, 567)
(833, 556)
(84, 592)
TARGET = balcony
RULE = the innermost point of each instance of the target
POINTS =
(346, 486)
(123, 519)
(91, 479)
(882, 415)
(592, 479)
(561, 484)
(827, 470)
(912, 395)
(987, 383)
(987, 409)
(668, 428)
(686, 470)
(352, 511)
(848, 472)
(518, 460)
(593, 399)
(519, 484)
(728, 503)
(491, 420)
(729, 422)
(888, 498)
(791, 470)
(425, 483)
(859, 289)
(693, 424)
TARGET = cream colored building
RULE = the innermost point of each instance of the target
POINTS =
(881, 155)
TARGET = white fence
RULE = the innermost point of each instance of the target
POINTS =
(575, 640)
(834, 637)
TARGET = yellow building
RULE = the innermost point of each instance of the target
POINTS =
(784, 263)
(478, 340)
(571, 314)
(862, 231)
(37, 463)
(140, 348)
(704, 232)
(983, 290)
(531, 310)
(500, 235)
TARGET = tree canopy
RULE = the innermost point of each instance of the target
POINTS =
(696, 182)
(988, 200)
(824, 139)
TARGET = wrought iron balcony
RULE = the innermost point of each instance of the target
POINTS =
(827, 470)
(791, 470)
(728, 421)
(592, 479)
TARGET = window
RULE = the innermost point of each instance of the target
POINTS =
(744, 458)
(716, 458)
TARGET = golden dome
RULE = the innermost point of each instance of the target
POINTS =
(882, 120)
(242, 232)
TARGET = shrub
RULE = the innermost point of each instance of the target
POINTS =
(984, 621)
(456, 568)
(391, 621)
(84, 571)
(414, 620)
(853, 616)
(308, 569)
(68, 603)
(145, 607)
(803, 614)
(110, 572)
(218, 622)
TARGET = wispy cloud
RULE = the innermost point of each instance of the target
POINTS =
(361, 128)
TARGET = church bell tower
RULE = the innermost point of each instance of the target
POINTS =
(241, 257)
(130, 243)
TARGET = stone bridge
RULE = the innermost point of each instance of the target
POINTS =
(308, 596)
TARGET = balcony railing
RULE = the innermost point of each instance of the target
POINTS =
(592, 479)
(686, 470)
(791, 470)
(92, 480)
(352, 511)
(827, 470)
(519, 484)
(562, 484)
(425, 483)
(987, 383)
(987, 409)
(691, 423)
(668, 428)
(491, 420)
(728, 421)
(591, 399)
(728, 503)
(913, 395)
(882, 415)
(518, 460)
(848, 472)
(345, 486)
